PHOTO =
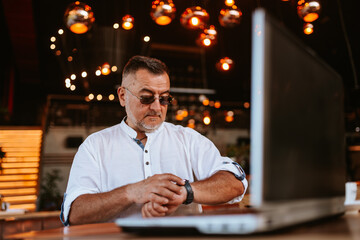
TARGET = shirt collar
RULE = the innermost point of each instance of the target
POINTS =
(132, 133)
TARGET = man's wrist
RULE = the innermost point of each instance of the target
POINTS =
(189, 193)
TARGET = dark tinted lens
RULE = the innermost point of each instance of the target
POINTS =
(147, 100)
(165, 100)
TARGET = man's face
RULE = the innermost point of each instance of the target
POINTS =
(144, 117)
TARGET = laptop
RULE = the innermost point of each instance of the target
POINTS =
(297, 142)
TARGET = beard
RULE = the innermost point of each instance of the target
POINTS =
(140, 124)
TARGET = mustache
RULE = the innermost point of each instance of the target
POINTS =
(152, 113)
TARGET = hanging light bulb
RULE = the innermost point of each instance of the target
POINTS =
(208, 37)
(229, 3)
(79, 17)
(105, 69)
(308, 10)
(308, 28)
(230, 16)
(127, 22)
(225, 64)
(194, 18)
(163, 11)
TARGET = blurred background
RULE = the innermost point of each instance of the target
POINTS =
(63, 84)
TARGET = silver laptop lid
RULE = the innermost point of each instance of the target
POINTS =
(297, 121)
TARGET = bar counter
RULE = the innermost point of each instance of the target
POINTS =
(339, 228)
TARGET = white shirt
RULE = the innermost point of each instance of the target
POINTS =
(111, 158)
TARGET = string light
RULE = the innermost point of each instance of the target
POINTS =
(146, 39)
(111, 97)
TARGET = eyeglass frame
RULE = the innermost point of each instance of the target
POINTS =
(160, 98)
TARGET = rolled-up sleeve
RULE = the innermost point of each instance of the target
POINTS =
(206, 161)
(84, 178)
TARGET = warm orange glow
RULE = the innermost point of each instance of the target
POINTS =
(30, 207)
(18, 184)
(20, 154)
(163, 20)
(205, 102)
(105, 69)
(127, 25)
(217, 104)
(191, 123)
(311, 17)
(19, 191)
(229, 3)
(179, 117)
(246, 104)
(20, 171)
(18, 177)
(308, 30)
(20, 199)
(229, 118)
(79, 28)
(225, 66)
(185, 113)
(194, 21)
(128, 22)
(20, 167)
(206, 120)
(206, 42)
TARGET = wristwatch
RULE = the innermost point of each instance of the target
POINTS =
(190, 193)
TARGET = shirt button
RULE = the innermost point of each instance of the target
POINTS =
(146, 151)
(147, 163)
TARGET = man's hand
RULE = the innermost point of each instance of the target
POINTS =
(160, 189)
(151, 209)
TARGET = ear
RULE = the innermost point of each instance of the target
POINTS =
(121, 95)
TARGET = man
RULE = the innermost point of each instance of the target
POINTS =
(138, 167)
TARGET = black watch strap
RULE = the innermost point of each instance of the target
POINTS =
(190, 193)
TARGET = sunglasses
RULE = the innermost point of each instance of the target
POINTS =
(164, 100)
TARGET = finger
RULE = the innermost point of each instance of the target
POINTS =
(163, 191)
(171, 177)
(144, 212)
(153, 197)
(159, 208)
(152, 210)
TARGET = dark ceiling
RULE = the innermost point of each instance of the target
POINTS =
(30, 70)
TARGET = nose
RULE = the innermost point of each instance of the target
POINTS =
(156, 106)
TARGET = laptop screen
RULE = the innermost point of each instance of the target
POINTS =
(297, 120)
